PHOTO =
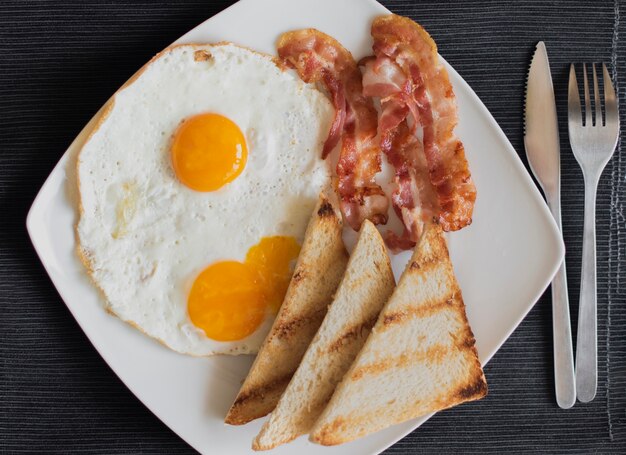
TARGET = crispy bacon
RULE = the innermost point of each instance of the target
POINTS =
(413, 198)
(403, 48)
(320, 58)
(382, 77)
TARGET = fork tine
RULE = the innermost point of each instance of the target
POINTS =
(610, 102)
(573, 98)
(587, 99)
(597, 115)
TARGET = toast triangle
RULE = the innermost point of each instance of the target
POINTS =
(366, 286)
(419, 358)
(319, 268)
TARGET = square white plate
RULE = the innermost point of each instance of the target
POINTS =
(503, 261)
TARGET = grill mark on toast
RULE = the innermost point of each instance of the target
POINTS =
(467, 339)
(476, 389)
(393, 318)
(421, 311)
(259, 393)
(353, 332)
(472, 387)
(289, 328)
(434, 354)
(297, 277)
(468, 332)
(464, 340)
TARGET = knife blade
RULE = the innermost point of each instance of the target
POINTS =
(541, 140)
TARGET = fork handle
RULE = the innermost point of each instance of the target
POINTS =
(587, 339)
(564, 382)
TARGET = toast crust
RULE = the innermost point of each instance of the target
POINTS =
(420, 358)
(317, 274)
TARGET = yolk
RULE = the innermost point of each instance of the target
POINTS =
(273, 258)
(208, 151)
(229, 300)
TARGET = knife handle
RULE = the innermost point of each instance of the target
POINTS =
(564, 381)
(587, 340)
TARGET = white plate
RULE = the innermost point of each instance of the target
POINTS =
(503, 261)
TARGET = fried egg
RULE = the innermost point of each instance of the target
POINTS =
(195, 191)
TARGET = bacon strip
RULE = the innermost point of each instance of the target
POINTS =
(410, 81)
(413, 199)
(318, 57)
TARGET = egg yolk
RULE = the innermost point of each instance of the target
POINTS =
(208, 151)
(229, 300)
(273, 258)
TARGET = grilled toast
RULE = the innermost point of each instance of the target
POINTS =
(364, 289)
(419, 358)
(317, 274)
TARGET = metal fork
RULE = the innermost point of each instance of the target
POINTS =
(593, 142)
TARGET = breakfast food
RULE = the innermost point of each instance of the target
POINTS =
(432, 177)
(195, 191)
(419, 358)
(319, 270)
(365, 287)
(320, 58)
(412, 84)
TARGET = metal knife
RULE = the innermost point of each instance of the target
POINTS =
(541, 139)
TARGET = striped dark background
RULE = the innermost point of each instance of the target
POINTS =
(61, 60)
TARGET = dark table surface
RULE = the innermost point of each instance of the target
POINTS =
(61, 60)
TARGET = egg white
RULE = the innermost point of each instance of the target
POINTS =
(143, 235)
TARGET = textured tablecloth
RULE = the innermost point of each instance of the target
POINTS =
(60, 61)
